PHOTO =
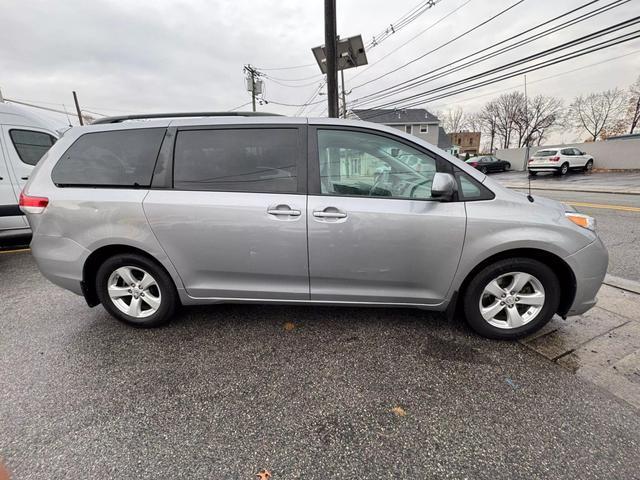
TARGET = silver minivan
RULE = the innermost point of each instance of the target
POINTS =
(146, 214)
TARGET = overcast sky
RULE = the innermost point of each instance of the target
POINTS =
(144, 56)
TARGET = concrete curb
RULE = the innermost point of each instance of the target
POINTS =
(525, 186)
(622, 284)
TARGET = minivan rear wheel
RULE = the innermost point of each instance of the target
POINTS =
(135, 290)
(511, 298)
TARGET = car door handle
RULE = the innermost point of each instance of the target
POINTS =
(323, 214)
(284, 211)
(24, 178)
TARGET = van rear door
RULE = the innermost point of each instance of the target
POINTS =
(10, 215)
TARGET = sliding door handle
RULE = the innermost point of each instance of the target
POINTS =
(323, 214)
(283, 210)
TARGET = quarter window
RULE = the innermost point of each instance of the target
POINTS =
(241, 160)
(363, 164)
(119, 158)
(31, 145)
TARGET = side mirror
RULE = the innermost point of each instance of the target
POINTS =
(443, 186)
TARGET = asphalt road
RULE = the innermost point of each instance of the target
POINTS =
(617, 226)
(225, 391)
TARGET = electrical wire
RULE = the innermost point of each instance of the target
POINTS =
(547, 63)
(441, 19)
(466, 32)
(402, 22)
(421, 80)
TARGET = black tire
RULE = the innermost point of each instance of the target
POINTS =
(588, 166)
(484, 170)
(507, 166)
(475, 289)
(564, 169)
(167, 291)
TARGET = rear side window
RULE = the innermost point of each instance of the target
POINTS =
(240, 160)
(31, 145)
(546, 153)
(119, 158)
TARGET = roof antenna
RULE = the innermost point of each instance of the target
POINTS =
(67, 114)
(527, 138)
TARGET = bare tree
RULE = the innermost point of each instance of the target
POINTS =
(452, 120)
(597, 112)
(535, 118)
(473, 122)
(489, 121)
(633, 110)
(508, 108)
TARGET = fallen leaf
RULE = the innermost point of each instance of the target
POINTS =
(264, 474)
(399, 411)
(289, 326)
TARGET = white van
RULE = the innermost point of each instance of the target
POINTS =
(24, 139)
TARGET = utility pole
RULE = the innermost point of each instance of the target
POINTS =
(344, 98)
(253, 85)
(331, 52)
(75, 100)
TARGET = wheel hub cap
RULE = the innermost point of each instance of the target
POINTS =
(512, 300)
(134, 291)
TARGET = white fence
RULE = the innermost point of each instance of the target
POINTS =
(616, 154)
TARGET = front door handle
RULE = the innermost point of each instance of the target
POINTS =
(283, 210)
(24, 178)
(329, 212)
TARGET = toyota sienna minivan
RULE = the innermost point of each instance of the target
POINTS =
(144, 214)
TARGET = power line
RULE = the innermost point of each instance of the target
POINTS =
(402, 22)
(502, 12)
(578, 41)
(240, 106)
(547, 63)
(566, 72)
(295, 67)
(412, 39)
(421, 80)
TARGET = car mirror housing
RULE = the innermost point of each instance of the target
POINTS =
(443, 186)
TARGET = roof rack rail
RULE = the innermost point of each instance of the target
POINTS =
(150, 116)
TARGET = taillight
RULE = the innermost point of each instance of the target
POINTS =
(29, 204)
(474, 164)
(530, 160)
(554, 159)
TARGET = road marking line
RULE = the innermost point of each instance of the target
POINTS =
(19, 250)
(606, 207)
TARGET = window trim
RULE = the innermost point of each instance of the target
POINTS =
(301, 157)
(424, 128)
(31, 130)
(314, 187)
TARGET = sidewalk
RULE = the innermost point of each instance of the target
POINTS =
(601, 346)
(604, 182)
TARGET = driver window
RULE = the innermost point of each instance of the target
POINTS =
(364, 164)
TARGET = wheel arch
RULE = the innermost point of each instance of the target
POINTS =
(562, 270)
(97, 257)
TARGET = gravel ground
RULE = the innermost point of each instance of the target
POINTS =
(225, 391)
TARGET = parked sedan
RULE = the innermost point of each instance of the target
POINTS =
(489, 163)
(560, 161)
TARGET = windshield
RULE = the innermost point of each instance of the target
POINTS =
(546, 153)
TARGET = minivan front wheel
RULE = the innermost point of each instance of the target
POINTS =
(135, 290)
(511, 298)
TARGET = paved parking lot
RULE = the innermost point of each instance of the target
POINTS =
(322, 393)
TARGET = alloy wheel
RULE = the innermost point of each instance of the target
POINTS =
(134, 291)
(512, 300)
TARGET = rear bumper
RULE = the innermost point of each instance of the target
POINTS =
(60, 260)
(589, 266)
(543, 168)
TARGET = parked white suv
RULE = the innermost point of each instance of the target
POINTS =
(24, 139)
(560, 161)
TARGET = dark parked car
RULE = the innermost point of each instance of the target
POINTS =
(489, 163)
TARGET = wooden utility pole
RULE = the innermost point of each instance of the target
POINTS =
(331, 53)
(75, 100)
(344, 98)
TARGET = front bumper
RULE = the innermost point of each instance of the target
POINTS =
(589, 266)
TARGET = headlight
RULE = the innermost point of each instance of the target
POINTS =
(584, 221)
